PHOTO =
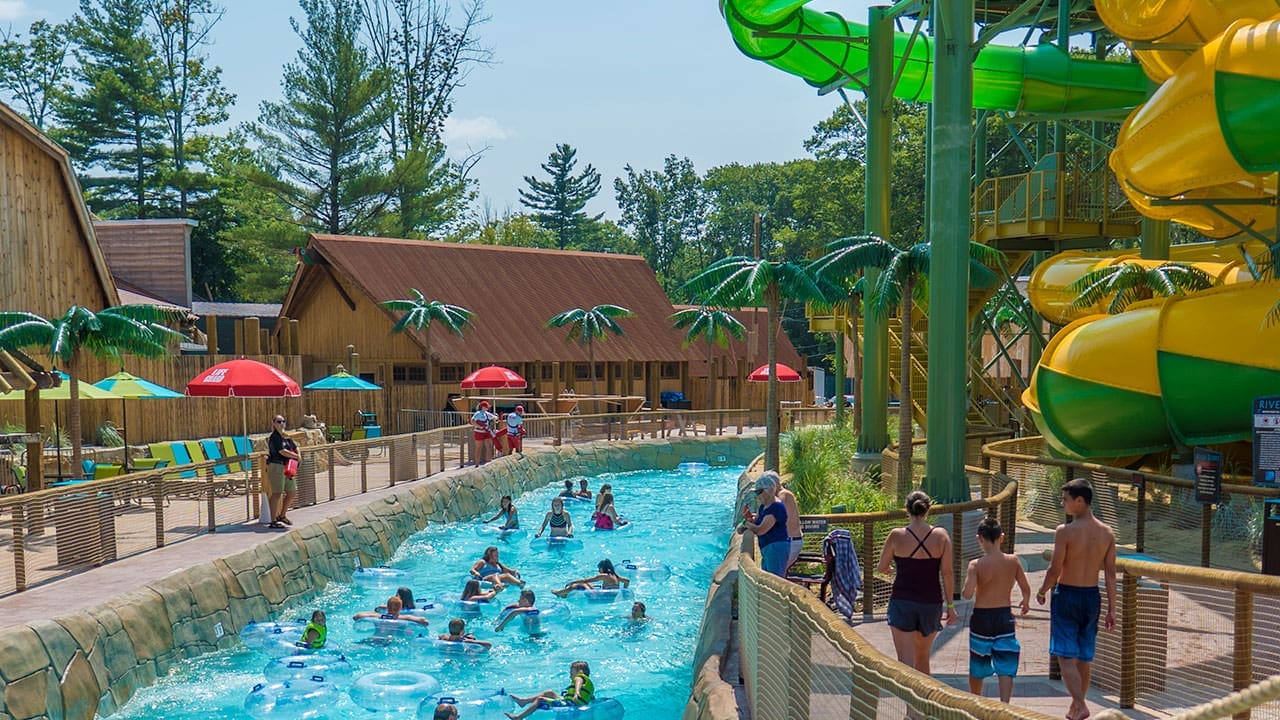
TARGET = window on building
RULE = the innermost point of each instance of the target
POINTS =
(546, 371)
(451, 373)
(669, 371)
(409, 373)
(580, 371)
(637, 370)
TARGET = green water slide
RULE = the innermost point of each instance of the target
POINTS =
(824, 49)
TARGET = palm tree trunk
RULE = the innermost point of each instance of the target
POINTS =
(857, 374)
(840, 373)
(906, 478)
(771, 300)
(431, 374)
(711, 375)
(73, 415)
(591, 363)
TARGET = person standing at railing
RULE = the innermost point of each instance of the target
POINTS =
(769, 525)
(281, 486)
(795, 535)
(920, 556)
(482, 433)
(1081, 549)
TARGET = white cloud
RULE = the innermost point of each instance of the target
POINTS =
(11, 10)
(474, 131)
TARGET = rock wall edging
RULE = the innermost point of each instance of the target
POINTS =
(93, 661)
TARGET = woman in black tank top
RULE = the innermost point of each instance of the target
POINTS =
(923, 583)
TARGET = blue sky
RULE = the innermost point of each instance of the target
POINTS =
(623, 82)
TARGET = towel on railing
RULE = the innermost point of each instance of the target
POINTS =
(842, 569)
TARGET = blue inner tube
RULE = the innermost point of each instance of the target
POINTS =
(648, 569)
(378, 576)
(329, 668)
(693, 467)
(600, 709)
(468, 608)
(498, 530)
(274, 638)
(393, 690)
(452, 647)
(390, 628)
(427, 609)
(558, 544)
(472, 704)
(602, 596)
(536, 621)
(291, 699)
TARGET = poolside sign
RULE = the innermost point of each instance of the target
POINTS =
(1266, 441)
(1208, 469)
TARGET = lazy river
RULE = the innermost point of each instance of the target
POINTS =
(679, 534)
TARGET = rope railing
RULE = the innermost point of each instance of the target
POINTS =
(1147, 510)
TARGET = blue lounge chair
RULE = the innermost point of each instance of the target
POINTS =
(182, 457)
(213, 451)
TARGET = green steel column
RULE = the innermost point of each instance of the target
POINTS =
(1155, 239)
(1064, 42)
(875, 358)
(949, 191)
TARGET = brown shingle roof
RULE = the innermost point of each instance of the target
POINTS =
(513, 292)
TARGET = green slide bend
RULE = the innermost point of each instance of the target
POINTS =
(823, 48)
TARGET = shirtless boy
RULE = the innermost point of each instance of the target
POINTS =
(993, 647)
(1081, 549)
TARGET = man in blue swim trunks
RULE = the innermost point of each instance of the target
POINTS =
(1081, 549)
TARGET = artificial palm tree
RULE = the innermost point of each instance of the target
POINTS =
(588, 326)
(1128, 283)
(135, 329)
(842, 296)
(713, 325)
(419, 313)
(738, 281)
(902, 284)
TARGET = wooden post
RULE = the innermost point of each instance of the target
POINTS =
(157, 496)
(442, 444)
(426, 456)
(364, 470)
(1128, 640)
(332, 481)
(240, 337)
(252, 337)
(1206, 534)
(462, 448)
(35, 458)
(294, 348)
(413, 445)
(282, 336)
(555, 399)
(1242, 656)
(211, 334)
(264, 343)
(213, 525)
(869, 583)
(1140, 542)
(19, 547)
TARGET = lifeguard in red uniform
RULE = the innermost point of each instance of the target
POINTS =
(482, 433)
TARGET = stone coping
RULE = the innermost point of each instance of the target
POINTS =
(92, 662)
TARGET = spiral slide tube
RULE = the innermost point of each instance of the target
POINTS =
(1040, 80)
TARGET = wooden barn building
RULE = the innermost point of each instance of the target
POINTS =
(336, 294)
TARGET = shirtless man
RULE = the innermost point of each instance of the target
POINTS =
(993, 646)
(1081, 549)
(794, 535)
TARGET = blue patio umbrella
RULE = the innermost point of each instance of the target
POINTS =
(341, 380)
(131, 387)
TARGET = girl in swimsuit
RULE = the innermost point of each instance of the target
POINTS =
(471, 592)
(606, 518)
(605, 488)
(608, 578)
(558, 520)
(491, 568)
(507, 511)
(920, 555)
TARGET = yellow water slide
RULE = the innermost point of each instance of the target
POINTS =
(1180, 371)
(1207, 133)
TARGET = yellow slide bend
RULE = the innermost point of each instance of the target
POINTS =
(1206, 133)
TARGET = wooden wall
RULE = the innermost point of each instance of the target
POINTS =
(177, 419)
(48, 261)
(154, 255)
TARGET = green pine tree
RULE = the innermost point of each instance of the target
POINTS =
(320, 145)
(112, 120)
(558, 203)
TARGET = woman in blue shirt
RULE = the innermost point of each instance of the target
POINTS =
(769, 525)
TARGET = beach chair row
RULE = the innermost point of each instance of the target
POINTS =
(186, 452)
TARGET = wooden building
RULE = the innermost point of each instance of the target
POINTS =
(724, 386)
(336, 292)
(152, 255)
(51, 257)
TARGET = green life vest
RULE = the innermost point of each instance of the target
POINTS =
(322, 632)
(585, 695)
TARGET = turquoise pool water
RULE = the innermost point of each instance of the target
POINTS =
(682, 521)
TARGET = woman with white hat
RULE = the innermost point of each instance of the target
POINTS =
(769, 525)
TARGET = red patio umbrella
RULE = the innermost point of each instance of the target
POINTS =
(243, 378)
(785, 374)
(494, 377)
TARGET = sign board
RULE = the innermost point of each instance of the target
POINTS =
(1208, 471)
(813, 525)
(1266, 441)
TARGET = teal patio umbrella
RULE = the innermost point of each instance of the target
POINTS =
(63, 392)
(341, 381)
(131, 387)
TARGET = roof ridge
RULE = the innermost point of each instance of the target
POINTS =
(326, 237)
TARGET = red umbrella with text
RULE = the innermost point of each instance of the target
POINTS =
(243, 378)
(785, 374)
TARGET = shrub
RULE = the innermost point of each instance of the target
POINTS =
(820, 460)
